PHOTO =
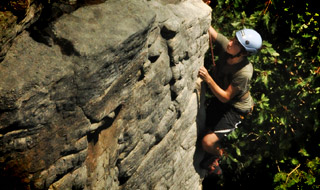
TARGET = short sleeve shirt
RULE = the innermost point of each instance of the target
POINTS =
(238, 75)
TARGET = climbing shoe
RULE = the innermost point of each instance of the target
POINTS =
(211, 164)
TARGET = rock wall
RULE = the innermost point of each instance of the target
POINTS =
(106, 97)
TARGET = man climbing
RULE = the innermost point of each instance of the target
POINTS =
(230, 85)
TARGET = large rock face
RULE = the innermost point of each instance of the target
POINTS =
(106, 97)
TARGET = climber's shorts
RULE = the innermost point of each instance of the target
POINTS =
(222, 118)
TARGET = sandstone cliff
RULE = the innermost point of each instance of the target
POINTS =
(105, 96)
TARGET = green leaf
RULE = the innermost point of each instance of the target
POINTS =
(281, 176)
(294, 161)
(238, 151)
(233, 159)
(303, 152)
(235, 24)
(266, 19)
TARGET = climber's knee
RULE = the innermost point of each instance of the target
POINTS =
(209, 141)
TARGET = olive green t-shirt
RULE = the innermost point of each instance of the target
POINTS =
(238, 75)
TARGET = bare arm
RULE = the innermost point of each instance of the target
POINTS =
(223, 95)
(213, 33)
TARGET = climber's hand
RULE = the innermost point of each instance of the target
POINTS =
(206, 2)
(204, 74)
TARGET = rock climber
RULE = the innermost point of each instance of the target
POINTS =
(230, 85)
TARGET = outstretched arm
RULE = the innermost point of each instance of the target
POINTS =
(213, 33)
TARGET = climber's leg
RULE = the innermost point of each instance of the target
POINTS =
(209, 143)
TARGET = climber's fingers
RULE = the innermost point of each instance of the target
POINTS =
(207, 2)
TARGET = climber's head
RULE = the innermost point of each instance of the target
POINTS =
(246, 42)
(250, 40)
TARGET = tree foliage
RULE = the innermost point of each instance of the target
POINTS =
(278, 145)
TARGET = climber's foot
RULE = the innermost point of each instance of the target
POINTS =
(211, 164)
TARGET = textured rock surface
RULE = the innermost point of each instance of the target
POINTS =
(106, 97)
(15, 16)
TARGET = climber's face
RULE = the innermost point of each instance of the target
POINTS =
(234, 47)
